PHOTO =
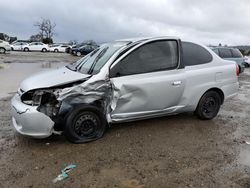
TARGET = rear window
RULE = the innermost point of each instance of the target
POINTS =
(236, 53)
(225, 53)
(194, 54)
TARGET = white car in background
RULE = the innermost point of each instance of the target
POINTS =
(36, 46)
(4, 47)
(59, 48)
(18, 45)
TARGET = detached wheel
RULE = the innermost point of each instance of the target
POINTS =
(78, 54)
(209, 105)
(2, 50)
(85, 124)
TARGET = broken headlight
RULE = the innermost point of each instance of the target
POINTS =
(46, 100)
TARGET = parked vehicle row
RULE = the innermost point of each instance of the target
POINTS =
(38, 46)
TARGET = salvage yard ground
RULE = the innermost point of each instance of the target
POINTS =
(176, 151)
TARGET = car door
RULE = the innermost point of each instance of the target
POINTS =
(32, 46)
(63, 48)
(16, 46)
(148, 81)
(39, 46)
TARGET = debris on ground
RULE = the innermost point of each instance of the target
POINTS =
(64, 173)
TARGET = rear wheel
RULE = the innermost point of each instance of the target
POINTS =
(246, 65)
(85, 124)
(209, 105)
(2, 50)
(56, 50)
(44, 50)
(26, 49)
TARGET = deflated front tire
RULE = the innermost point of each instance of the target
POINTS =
(85, 124)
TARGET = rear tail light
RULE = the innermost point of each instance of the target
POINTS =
(237, 70)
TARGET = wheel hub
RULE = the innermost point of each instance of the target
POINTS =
(85, 125)
(209, 105)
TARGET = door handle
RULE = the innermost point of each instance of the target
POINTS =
(176, 83)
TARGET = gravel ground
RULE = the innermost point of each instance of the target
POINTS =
(175, 151)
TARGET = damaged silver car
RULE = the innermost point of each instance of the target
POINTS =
(121, 81)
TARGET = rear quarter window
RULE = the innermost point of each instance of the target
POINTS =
(236, 53)
(194, 54)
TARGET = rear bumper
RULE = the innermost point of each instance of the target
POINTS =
(231, 90)
(28, 121)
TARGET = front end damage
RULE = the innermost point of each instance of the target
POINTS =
(41, 112)
(28, 121)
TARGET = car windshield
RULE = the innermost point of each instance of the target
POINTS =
(93, 62)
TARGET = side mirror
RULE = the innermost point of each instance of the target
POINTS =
(115, 71)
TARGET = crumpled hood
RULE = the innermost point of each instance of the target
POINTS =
(51, 78)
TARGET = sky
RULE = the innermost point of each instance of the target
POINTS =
(205, 21)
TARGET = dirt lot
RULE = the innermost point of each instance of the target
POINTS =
(176, 151)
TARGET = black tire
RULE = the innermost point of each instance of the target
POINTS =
(26, 49)
(2, 51)
(209, 105)
(56, 50)
(12, 49)
(85, 124)
(44, 50)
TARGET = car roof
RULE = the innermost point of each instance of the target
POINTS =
(221, 47)
(137, 39)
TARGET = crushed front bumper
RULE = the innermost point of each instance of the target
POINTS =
(28, 121)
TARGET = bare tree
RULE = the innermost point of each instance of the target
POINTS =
(36, 38)
(46, 28)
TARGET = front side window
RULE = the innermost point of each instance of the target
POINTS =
(225, 53)
(151, 57)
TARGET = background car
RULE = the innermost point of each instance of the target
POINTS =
(233, 54)
(83, 50)
(69, 49)
(18, 45)
(36, 46)
(4, 46)
(59, 48)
